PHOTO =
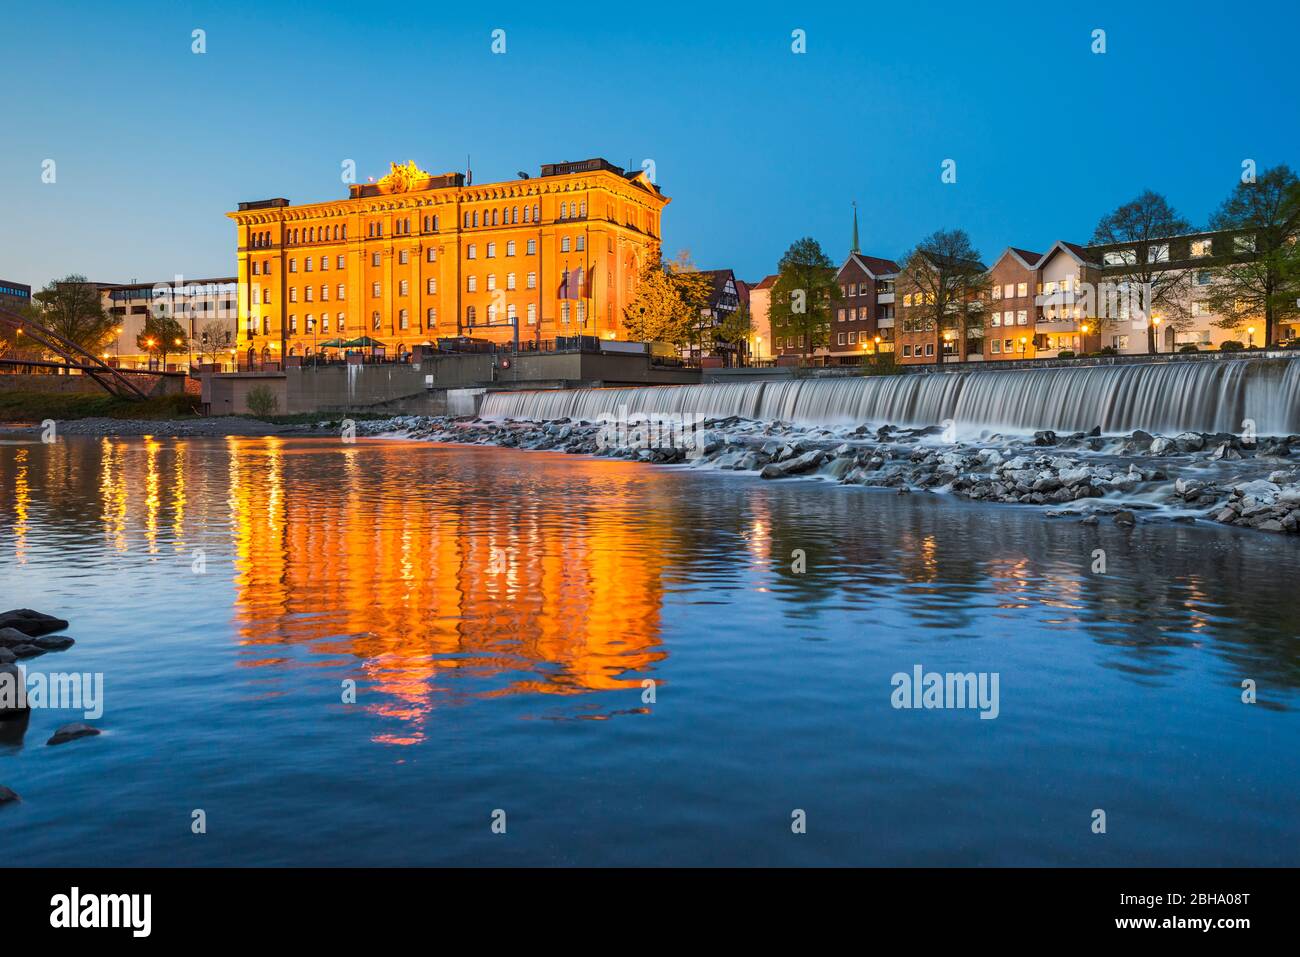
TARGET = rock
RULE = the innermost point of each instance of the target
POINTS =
(1140, 436)
(1045, 437)
(1089, 520)
(1189, 441)
(11, 637)
(8, 795)
(1225, 452)
(71, 732)
(7, 657)
(31, 623)
(1161, 445)
(840, 467)
(793, 466)
(1125, 518)
(1272, 525)
(53, 642)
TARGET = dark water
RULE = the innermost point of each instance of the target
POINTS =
(499, 611)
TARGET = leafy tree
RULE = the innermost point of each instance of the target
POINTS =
(657, 312)
(804, 295)
(160, 336)
(1261, 280)
(695, 290)
(1144, 224)
(945, 272)
(71, 307)
(736, 328)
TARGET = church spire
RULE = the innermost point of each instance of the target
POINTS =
(855, 226)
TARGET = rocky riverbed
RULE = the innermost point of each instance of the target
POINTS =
(1220, 477)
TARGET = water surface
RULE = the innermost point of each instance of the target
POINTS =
(499, 612)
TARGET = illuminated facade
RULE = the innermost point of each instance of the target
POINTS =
(414, 258)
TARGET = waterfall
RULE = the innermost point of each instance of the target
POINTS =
(1205, 396)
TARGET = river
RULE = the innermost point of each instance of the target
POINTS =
(627, 664)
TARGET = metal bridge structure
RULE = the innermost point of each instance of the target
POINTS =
(74, 356)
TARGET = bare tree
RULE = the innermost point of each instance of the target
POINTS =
(1261, 279)
(1144, 226)
(945, 272)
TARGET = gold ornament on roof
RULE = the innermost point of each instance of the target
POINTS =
(402, 178)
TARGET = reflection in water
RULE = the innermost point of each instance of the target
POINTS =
(342, 548)
(443, 575)
(470, 591)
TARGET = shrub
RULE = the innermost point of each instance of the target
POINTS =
(1065, 354)
(262, 401)
(1231, 345)
(1189, 347)
(1108, 351)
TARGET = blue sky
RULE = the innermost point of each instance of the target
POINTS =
(757, 146)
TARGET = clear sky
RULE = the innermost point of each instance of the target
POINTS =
(756, 145)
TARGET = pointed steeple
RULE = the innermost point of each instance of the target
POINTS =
(855, 227)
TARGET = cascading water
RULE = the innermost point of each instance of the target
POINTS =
(1204, 396)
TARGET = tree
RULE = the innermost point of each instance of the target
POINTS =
(262, 401)
(657, 312)
(945, 273)
(71, 307)
(695, 290)
(215, 339)
(1145, 225)
(736, 329)
(160, 336)
(804, 295)
(1261, 278)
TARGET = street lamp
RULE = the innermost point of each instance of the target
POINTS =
(1250, 338)
(1155, 321)
(1024, 345)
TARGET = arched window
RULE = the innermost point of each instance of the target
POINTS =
(469, 315)
(374, 319)
(525, 214)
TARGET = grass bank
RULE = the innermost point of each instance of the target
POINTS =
(38, 406)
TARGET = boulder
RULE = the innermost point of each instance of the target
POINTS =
(71, 732)
(1161, 445)
(31, 623)
(1125, 518)
(793, 466)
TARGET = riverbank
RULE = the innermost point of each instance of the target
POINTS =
(1233, 480)
(28, 407)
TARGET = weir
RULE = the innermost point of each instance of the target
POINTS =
(1204, 396)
